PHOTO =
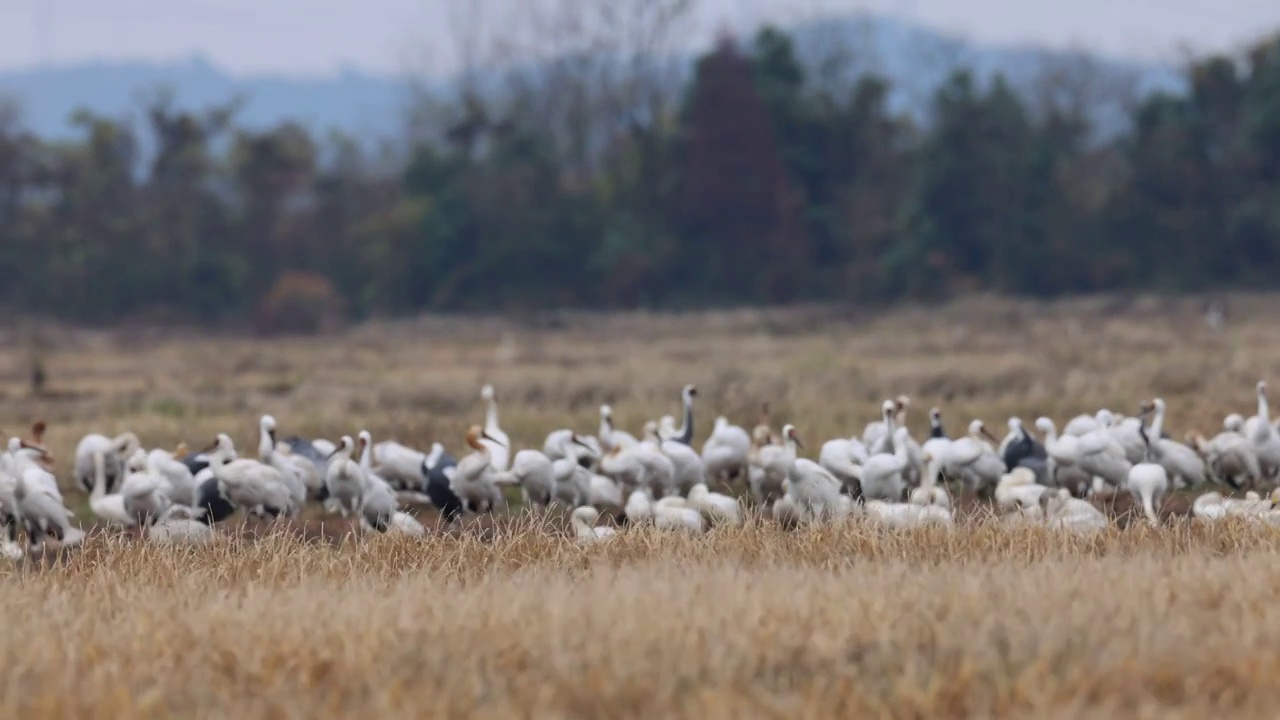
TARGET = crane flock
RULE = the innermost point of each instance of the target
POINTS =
(882, 476)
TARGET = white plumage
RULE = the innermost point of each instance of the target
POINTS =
(249, 484)
(344, 478)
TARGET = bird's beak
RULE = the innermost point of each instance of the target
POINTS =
(575, 440)
(989, 436)
(272, 434)
(797, 441)
(212, 446)
(484, 434)
(333, 454)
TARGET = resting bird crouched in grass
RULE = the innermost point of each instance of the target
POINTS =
(584, 521)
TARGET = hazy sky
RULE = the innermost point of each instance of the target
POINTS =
(320, 36)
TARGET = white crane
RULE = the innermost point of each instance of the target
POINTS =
(1064, 457)
(718, 509)
(1148, 481)
(1018, 491)
(398, 464)
(973, 459)
(685, 462)
(724, 454)
(379, 509)
(114, 452)
(814, 489)
(1100, 455)
(610, 437)
(938, 444)
(1183, 464)
(1064, 512)
(883, 474)
(182, 484)
(879, 430)
(534, 473)
(843, 458)
(1083, 424)
(1229, 457)
(344, 478)
(146, 496)
(584, 521)
(474, 477)
(775, 465)
(37, 500)
(1213, 506)
(496, 440)
(181, 526)
(642, 465)
(107, 507)
(294, 474)
(249, 484)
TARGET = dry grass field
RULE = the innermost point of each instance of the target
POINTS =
(520, 621)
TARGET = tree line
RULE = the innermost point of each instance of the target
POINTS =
(754, 180)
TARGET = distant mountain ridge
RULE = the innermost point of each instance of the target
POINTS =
(354, 101)
(913, 57)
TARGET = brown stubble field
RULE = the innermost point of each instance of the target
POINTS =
(519, 621)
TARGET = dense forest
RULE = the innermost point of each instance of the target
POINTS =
(761, 180)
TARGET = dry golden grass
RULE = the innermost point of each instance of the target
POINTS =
(833, 622)
(520, 621)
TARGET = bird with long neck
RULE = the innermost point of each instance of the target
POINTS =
(931, 495)
(344, 477)
(773, 463)
(568, 476)
(1155, 411)
(684, 433)
(473, 481)
(1148, 481)
(978, 431)
(809, 484)
(610, 437)
(900, 405)
(249, 484)
(1258, 428)
(791, 441)
(266, 438)
(498, 449)
(297, 476)
(889, 411)
(38, 429)
(935, 424)
(762, 433)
